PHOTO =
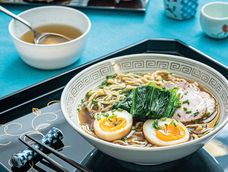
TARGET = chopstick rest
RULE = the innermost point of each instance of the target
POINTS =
(52, 138)
(54, 164)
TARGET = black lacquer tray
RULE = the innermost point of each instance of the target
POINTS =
(124, 5)
(200, 161)
(16, 118)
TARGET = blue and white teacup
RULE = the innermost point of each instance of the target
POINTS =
(180, 9)
(214, 19)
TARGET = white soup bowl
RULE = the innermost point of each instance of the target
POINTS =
(50, 56)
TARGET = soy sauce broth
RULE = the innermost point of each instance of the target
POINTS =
(68, 31)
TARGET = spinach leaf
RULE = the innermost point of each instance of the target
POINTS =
(126, 103)
(174, 102)
(139, 101)
(150, 102)
(157, 102)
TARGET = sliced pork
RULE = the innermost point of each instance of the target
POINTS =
(194, 104)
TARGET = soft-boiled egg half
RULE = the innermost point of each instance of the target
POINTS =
(165, 132)
(113, 125)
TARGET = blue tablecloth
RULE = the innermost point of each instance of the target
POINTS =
(111, 30)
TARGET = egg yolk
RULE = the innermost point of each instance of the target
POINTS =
(112, 124)
(170, 132)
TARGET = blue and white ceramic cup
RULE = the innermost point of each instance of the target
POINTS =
(214, 19)
(180, 9)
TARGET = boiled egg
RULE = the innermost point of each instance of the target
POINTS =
(113, 125)
(165, 132)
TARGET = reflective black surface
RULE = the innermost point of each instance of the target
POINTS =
(35, 124)
(129, 5)
(201, 161)
(3, 168)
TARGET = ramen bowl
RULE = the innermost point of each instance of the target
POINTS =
(138, 63)
(50, 56)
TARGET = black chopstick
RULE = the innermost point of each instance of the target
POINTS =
(3, 168)
(56, 165)
(61, 156)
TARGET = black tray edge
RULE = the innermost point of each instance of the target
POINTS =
(203, 54)
(137, 10)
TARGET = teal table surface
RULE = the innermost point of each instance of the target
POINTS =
(111, 30)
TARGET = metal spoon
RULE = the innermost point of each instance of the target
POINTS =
(39, 38)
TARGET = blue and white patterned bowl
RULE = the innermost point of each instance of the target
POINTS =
(180, 9)
(91, 77)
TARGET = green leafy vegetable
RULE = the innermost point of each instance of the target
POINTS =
(124, 139)
(164, 119)
(186, 102)
(185, 109)
(150, 102)
(174, 103)
(173, 123)
(207, 114)
(196, 113)
(98, 116)
(188, 112)
(155, 124)
(105, 82)
(126, 103)
(105, 114)
(94, 102)
(139, 101)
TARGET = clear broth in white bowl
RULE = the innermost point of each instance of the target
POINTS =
(68, 31)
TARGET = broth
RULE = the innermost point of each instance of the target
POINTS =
(85, 117)
(68, 31)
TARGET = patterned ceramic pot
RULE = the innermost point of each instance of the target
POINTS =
(180, 9)
(92, 76)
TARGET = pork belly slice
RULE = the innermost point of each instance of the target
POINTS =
(210, 102)
(195, 104)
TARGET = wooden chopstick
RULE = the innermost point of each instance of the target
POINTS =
(62, 156)
(56, 165)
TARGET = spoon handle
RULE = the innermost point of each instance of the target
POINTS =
(2, 9)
